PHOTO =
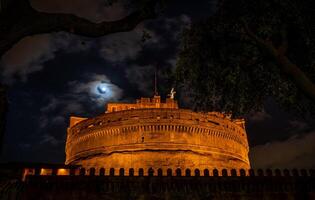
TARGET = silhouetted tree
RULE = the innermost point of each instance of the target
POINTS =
(249, 51)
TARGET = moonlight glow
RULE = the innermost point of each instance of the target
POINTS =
(101, 88)
(103, 91)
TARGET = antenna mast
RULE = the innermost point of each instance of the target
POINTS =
(155, 82)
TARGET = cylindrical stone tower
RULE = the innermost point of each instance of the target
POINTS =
(151, 134)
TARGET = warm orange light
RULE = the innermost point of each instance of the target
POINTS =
(43, 171)
(62, 172)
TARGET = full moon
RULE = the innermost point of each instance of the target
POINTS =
(102, 88)
(103, 91)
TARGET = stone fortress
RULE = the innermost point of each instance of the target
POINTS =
(158, 136)
(154, 150)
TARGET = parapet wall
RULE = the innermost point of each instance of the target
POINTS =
(235, 184)
(80, 171)
(158, 138)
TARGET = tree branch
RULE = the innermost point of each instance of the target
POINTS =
(35, 22)
(293, 71)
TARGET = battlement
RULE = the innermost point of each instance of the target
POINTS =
(57, 181)
(81, 171)
(142, 103)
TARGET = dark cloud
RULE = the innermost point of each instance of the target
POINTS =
(124, 46)
(256, 117)
(29, 55)
(81, 99)
(295, 152)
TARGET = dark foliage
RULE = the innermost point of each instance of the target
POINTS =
(232, 61)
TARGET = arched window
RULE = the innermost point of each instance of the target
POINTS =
(92, 171)
(187, 172)
(206, 172)
(169, 172)
(121, 172)
(178, 172)
(102, 172)
(131, 172)
(160, 172)
(197, 172)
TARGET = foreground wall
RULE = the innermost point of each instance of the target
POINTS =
(153, 187)
(71, 182)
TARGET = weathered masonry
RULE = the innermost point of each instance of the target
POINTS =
(158, 135)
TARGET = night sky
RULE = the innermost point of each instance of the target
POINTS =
(53, 76)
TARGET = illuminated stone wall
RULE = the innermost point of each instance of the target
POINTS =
(158, 138)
